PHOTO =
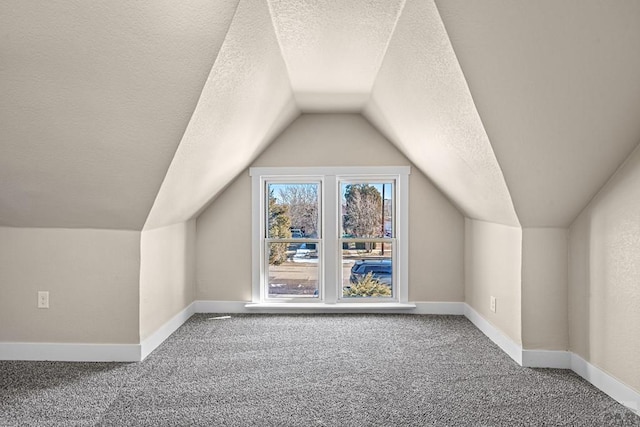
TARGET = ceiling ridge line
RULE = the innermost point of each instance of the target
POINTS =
(477, 113)
(206, 80)
(384, 53)
(601, 190)
(229, 100)
(282, 55)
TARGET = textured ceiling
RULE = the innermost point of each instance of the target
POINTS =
(422, 103)
(557, 84)
(333, 48)
(519, 111)
(246, 102)
(94, 97)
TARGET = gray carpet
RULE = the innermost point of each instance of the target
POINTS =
(307, 370)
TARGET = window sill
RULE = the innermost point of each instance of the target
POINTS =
(382, 307)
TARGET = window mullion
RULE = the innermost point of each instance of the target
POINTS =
(402, 230)
(330, 210)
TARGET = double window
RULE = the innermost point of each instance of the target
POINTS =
(330, 235)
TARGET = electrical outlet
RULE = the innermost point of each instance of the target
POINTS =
(43, 299)
(493, 304)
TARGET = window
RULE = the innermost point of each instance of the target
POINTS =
(330, 235)
(367, 238)
(292, 243)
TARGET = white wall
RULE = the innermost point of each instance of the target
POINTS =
(545, 319)
(604, 277)
(223, 268)
(106, 286)
(92, 278)
(436, 246)
(167, 274)
(493, 259)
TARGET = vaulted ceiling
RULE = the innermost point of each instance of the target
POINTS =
(129, 115)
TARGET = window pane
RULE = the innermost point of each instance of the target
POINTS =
(367, 270)
(293, 270)
(367, 209)
(293, 210)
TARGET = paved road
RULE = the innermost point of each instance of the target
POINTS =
(298, 278)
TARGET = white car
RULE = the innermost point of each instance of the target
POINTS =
(306, 250)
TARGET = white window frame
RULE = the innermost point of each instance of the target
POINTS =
(369, 179)
(264, 240)
(330, 241)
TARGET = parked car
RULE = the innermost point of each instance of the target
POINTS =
(380, 269)
(296, 233)
(306, 250)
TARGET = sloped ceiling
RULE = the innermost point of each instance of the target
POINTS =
(557, 84)
(421, 101)
(333, 48)
(119, 114)
(94, 98)
(246, 101)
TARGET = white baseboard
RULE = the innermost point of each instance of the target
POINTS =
(444, 308)
(154, 340)
(81, 352)
(507, 345)
(453, 308)
(207, 306)
(70, 352)
(557, 359)
(605, 382)
(321, 308)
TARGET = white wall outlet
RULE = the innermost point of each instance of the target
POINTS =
(43, 299)
(493, 304)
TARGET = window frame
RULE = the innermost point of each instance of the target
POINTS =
(330, 237)
(369, 179)
(266, 240)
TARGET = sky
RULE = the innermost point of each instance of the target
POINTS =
(276, 187)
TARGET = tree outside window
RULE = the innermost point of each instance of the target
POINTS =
(279, 227)
(363, 204)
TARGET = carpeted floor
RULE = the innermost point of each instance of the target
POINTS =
(307, 370)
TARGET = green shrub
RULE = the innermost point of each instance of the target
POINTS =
(367, 287)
